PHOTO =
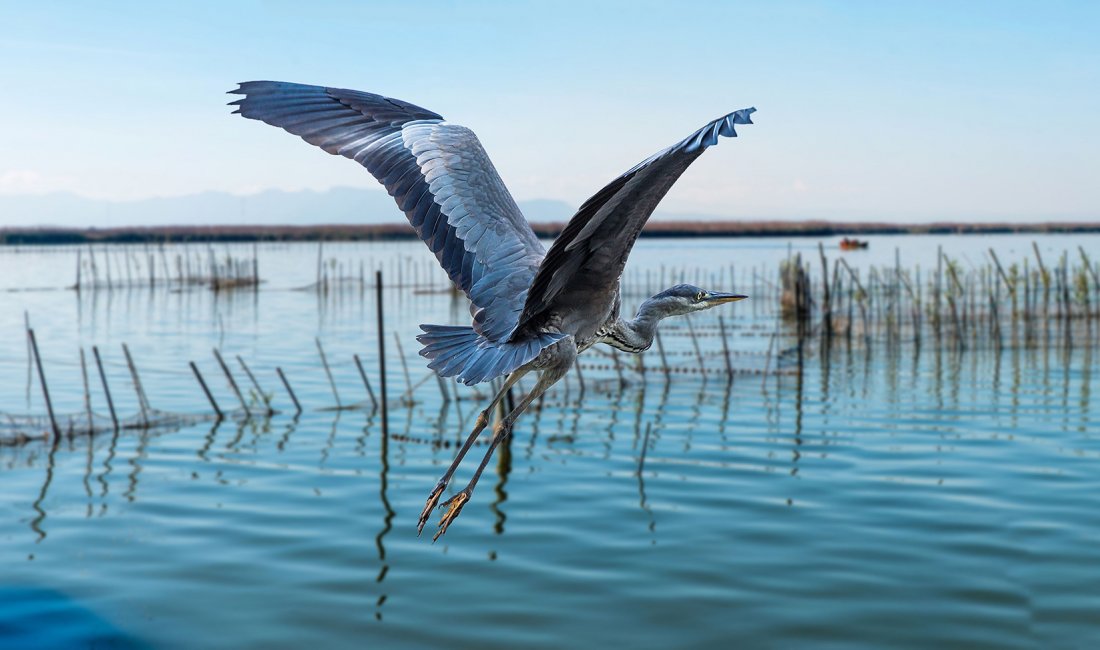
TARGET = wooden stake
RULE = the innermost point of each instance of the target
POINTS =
(45, 388)
(232, 382)
(255, 384)
(726, 347)
(206, 390)
(143, 402)
(366, 382)
(382, 352)
(286, 384)
(106, 388)
(328, 372)
(87, 390)
(405, 366)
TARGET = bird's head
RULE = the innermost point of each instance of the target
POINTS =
(685, 299)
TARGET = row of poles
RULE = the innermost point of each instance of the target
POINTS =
(115, 267)
(958, 303)
(148, 417)
(152, 268)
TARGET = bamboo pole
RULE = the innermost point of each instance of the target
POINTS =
(206, 391)
(87, 390)
(328, 373)
(382, 352)
(405, 367)
(726, 347)
(232, 383)
(366, 382)
(256, 385)
(106, 387)
(143, 402)
(45, 387)
(286, 384)
(1001, 272)
(826, 307)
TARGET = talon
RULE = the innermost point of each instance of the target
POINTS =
(433, 499)
(455, 504)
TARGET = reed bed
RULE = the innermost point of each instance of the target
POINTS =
(126, 267)
(974, 305)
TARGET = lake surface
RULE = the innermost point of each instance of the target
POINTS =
(873, 495)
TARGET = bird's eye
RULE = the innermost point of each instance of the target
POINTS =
(699, 296)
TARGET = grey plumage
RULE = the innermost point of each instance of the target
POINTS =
(589, 256)
(532, 310)
(442, 179)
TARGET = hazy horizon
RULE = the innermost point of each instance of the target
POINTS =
(866, 111)
(334, 206)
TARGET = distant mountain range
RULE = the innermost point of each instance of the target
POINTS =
(341, 205)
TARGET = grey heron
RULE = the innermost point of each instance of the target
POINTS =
(533, 310)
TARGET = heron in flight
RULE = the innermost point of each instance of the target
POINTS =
(533, 310)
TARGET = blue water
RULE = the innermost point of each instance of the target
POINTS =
(875, 496)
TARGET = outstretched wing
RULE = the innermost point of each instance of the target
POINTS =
(589, 256)
(438, 173)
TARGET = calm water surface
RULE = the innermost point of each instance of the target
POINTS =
(881, 496)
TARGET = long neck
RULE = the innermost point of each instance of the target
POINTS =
(637, 334)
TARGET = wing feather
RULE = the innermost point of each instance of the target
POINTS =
(438, 174)
(587, 259)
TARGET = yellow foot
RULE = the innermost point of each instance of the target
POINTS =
(455, 504)
(433, 499)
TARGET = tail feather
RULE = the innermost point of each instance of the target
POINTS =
(437, 348)
(462, 352)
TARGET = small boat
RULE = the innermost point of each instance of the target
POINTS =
(847, 244)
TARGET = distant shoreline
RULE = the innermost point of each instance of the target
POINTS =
(397, 231)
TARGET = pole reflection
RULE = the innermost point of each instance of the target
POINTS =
(38, 505)
(387, 519)
(107, 469)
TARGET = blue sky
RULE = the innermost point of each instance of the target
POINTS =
(866, 110)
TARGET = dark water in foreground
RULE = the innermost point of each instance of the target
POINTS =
(879, 497)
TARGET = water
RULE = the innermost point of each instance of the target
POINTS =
(883, 496)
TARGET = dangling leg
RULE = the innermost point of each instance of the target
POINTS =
(482, 421)
(547, 378)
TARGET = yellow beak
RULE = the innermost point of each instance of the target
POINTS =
(722, 298)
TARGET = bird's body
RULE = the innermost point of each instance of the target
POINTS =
(533, 310)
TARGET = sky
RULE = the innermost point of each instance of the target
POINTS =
(891, 111)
